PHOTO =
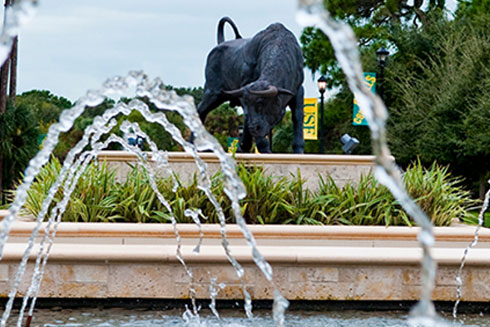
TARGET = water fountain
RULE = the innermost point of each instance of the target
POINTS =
(141, 85)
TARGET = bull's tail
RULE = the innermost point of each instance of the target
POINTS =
(221, 25)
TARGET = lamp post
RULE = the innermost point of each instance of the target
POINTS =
(382, 54)
(322, 85)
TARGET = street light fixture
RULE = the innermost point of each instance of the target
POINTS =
(322, 86)
(382, 54)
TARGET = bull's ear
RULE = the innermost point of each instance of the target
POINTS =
(234, 93)
(285, 91)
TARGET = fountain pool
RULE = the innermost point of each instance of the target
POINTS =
(117, 317)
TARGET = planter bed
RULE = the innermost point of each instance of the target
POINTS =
(309, 262)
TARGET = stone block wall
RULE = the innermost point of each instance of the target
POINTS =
(342, 168)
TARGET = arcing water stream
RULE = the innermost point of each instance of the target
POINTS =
(155, 91)
(459, 277)
(344, 42)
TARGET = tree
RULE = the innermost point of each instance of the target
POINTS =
(375, 23)
(436, 80)
(442, 111)
(18, 142)
(46, 106)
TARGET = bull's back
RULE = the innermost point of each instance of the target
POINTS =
(280, 54)
(225, 62)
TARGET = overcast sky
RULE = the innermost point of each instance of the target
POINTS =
(74, 45)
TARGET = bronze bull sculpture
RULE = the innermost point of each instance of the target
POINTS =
(263, 75)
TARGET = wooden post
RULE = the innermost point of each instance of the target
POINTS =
(4, 77)
(13, 67)
(13, 71)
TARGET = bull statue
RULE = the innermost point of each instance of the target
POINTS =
(263, 75)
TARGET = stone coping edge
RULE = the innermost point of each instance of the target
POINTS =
(213, 231)
(250, 158)
(215, 255)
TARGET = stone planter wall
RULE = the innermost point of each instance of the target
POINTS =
(309, 262)
(342, 168)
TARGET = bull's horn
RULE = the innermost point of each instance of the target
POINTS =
(281, 90)
(234, 93)
(270, 92)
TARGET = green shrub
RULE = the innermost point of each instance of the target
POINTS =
(92, 200)
(270, 200)
(367, 203)
(439, 194)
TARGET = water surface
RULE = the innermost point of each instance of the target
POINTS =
(230, 318)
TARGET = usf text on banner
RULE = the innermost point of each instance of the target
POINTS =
(310, 122)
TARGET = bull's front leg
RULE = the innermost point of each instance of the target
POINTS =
(263, 145)
(210, 101)
(245, 143)
(296, 105)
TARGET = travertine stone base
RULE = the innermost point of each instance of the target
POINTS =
(127, 261)
(296, 282)
(342, 168)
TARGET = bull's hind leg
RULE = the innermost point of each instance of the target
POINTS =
(296, 105)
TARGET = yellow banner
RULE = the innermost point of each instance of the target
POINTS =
(310, 123)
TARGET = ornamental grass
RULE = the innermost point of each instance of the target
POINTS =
(100, 197)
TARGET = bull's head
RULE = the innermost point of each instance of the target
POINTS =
(263, 104)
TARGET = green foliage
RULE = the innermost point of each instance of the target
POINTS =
(435, 81)
(282, 138)
(195, 92)
(441, 110)
(440, 195)
(45, 106)
(375, 23)
(472, 218)
(267, 200)
(270, 200)
(19, 134)
(92, 200)
(136, 200)
(471, 8)
(319, 55)
(337, 122)
(366, 203)
(223, 122)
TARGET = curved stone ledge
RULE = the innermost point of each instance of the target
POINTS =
(354, 263)
(106, 253)
(261, 232)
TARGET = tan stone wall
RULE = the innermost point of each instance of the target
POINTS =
(295, 282)
(342, 168)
